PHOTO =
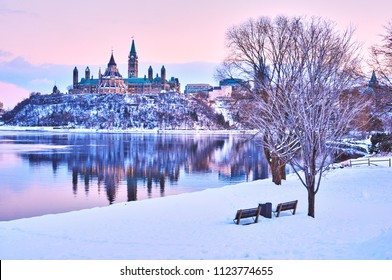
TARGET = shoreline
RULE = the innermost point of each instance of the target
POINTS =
(125, 131)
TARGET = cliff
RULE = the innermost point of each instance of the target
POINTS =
(115, 111)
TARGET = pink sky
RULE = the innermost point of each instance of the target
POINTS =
(70, 32)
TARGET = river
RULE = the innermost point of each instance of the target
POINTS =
(48, 173)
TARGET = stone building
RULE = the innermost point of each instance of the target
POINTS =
(111, 81)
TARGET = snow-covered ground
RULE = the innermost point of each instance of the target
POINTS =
(353, 221)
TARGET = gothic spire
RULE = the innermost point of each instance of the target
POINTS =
(373, 80)
(133, 49)
(111, 61)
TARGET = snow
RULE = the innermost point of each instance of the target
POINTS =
(114, 111)
(353, 221)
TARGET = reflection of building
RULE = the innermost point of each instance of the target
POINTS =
(133, 167)
(1, 109)
(111, 81)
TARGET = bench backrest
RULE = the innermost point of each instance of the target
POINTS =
(246, 213)
(291, 205)
(288, 205)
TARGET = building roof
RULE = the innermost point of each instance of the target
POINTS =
(133, 49)
(89, 82)
(231, 81)
(138, 81)
(111, 61)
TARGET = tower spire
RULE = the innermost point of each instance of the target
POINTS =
(133, 48)
(133, 62)
(75, 78)
(111, 61)
(373, 80)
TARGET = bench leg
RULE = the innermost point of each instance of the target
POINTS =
(295, 207)
(258, 214)
(239, 217)
(277, 212)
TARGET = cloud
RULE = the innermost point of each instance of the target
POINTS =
(12, 12)
(5, 56)
(11, 94)
(38, 78)
(4, 11)
(42, 81)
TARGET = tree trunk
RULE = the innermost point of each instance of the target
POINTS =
(275, 170)
(277, 165)
(283, 170)
(311, 199)
(278, 170)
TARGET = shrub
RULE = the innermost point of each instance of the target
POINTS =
(381, 143)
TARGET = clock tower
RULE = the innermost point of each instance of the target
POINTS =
(133, 62)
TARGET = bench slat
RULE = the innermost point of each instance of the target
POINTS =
(247, 213)
(291, 205)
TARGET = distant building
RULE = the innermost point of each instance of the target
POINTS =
(238, 85)
(111, 81)
(221, 91)
(197, 88)
(380, 94)
(373, 82)
(55, 90)
(224, 90)
(374, 116)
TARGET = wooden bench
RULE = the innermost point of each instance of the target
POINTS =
(291, 205)
(247, 213)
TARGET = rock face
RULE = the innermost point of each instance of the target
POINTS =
(117, 111)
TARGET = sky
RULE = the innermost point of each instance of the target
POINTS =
(43, 40)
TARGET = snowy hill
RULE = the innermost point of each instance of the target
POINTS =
(109, 111)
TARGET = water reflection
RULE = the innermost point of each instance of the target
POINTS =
(140, 165)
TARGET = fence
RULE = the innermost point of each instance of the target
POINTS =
(370, 161)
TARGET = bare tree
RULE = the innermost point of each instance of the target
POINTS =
(259, 53)
(381, 57)
(299, 69)
(381, 61)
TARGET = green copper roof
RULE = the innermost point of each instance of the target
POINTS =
(133, 49)
(137, 81)
(88, 82)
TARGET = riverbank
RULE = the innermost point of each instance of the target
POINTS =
(131, 130)
(352, 221)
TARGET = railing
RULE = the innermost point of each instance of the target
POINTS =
(370, 161)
